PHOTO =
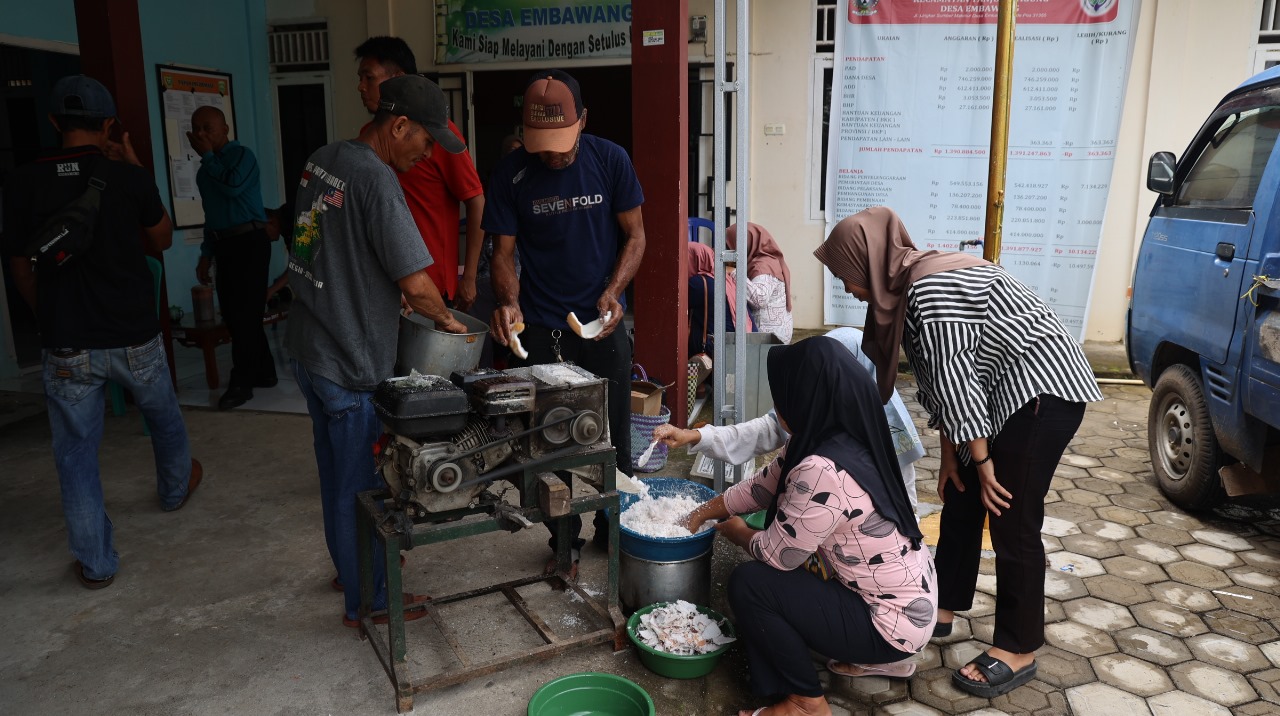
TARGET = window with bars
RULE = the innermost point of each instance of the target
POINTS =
(824, 47)
(300, 47)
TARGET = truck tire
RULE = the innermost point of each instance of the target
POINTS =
(1184, 450)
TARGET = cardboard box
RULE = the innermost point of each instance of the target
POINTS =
(646, 397)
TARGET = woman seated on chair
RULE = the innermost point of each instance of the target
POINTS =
(768, 281)
(840, 567)
(702, 313)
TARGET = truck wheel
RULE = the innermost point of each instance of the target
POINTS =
(1184, 450)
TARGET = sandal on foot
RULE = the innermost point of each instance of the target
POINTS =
(940, 629)
(88, 582)
(896, 670)
(1000, 678)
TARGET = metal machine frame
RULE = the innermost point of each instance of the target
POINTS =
(395, 529)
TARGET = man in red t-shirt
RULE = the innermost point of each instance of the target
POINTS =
(436, 185)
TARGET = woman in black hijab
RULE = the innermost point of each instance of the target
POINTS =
(840, 567)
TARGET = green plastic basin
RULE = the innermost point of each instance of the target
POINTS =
(591, 694)
(755, 520)
(674, 666)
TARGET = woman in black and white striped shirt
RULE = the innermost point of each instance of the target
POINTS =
(1005, 385)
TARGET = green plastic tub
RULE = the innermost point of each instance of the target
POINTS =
(755, 520)
(591, 694)
(673, 666)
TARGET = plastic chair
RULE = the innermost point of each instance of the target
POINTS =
(697, 223)
(114, 389)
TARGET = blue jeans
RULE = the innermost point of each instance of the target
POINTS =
(74, 383)
(344, 428)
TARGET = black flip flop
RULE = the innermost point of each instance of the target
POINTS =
(1000, 678)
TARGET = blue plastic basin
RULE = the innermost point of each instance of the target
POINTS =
(667, 549)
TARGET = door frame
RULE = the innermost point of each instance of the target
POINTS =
(285, 79)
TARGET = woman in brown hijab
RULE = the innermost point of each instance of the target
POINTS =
(1005, 385)
(768, 281)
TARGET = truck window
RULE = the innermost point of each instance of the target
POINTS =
(1234, 149)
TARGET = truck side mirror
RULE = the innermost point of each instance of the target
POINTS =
(1160, 173)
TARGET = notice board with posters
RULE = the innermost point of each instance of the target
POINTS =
(910, 129)
(473, 31)
(182, 92)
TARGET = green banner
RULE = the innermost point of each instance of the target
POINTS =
(471, 31)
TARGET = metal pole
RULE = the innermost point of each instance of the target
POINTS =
(718, 217)
(742, 184)
(999, 131)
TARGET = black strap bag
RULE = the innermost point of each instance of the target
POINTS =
(68, 234)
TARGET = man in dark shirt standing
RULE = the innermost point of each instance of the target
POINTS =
(97, 314)
(235, 240)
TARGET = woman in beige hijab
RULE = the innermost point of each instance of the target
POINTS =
(1005, 385)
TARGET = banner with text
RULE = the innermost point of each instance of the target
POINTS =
(472, 31)
(910, 128)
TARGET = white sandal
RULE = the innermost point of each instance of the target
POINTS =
(896, 670)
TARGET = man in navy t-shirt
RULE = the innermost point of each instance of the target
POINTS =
(572, 202)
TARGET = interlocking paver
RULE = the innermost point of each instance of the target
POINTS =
(1103, 615)
(1098, 699)
(1101, 486)
(1110, 474)
(1123, 516)
(1250, 577)
(1079, 639)
(1051, 543)
(957, 655)
(1142, 489)
(1133, 675)
(1177, 703)
(1064, 585)
(1059, 528)
(1165, 534)
(1105, 529)
(1228, 653)
(907, 708)
(1180, 520)
(1198, 574)
(1212, 683)
(1250, 601)
(1070, 512)
(1052, 496)
(1088, 498)
(1272, 652)
(1080, 461)
(1134, 569)
(1073, 563)
(1152, 646)
(1149, 551)
(1241, 626)
(935, 689)
(1137, 503)
(1062, 669)
(1225, 540)
(1267, 684)
(1257, 708)
(1212, 556)
(1037, 698)
(1186, 597)
(1168, 619)
(1091, 545)
(874, 689)
(1118, 590)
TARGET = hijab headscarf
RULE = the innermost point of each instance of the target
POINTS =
(871, 249)
(702, 262)
(763, 255)
(829, 404)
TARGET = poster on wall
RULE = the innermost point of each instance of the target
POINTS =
(182, 92)
(910, 129)
(474, 31)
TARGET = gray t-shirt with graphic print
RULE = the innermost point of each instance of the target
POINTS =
(353, 239)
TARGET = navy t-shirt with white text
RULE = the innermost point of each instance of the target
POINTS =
(566, 226)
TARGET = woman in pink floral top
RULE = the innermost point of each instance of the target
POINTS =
(840, 567)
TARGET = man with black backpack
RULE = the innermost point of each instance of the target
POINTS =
(78, 224)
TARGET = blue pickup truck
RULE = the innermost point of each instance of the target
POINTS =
(1203, 326)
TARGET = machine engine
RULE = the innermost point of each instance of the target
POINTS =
(450, 438)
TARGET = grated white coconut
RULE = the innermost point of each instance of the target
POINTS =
(681, 629)
(661, 516)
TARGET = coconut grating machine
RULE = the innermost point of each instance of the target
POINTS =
(449, 442)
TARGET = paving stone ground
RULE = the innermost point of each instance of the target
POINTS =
(1150, 610)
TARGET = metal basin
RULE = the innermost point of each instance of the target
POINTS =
(427, 350)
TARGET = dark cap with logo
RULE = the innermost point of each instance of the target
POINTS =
(81, 96)
(552, 110)
(421, 100)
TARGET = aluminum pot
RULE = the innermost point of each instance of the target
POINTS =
(427, 350)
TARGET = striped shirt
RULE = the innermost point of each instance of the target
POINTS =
(981, 346)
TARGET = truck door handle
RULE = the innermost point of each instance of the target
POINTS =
(1226, 251)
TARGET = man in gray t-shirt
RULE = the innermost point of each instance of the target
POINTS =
(356, 250)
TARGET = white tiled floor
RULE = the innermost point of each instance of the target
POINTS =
(194, 391)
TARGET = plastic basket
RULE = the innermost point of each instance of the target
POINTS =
(642, 427)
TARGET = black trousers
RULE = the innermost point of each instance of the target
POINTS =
(242, 266)
(1025, 452)
(781, 615)
(610, 359)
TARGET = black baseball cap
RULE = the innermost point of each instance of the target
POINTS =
(81, 96)
(421, 100)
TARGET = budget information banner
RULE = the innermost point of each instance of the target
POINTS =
(474, 31)
(910, 128)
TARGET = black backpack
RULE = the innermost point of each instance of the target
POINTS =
(68, 234)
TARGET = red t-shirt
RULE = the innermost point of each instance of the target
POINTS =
(433, 189)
